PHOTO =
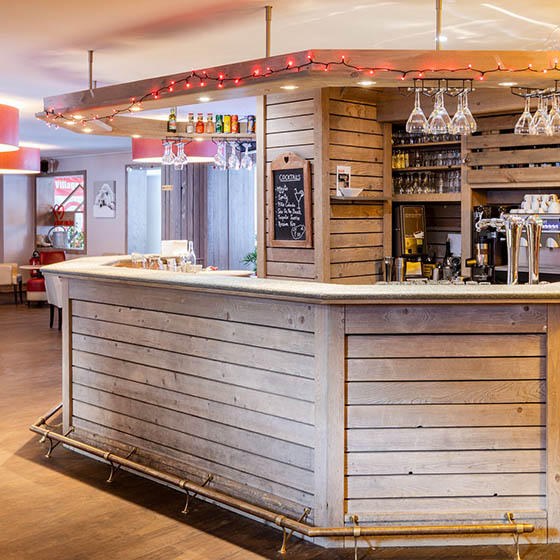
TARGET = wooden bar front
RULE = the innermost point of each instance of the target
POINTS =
(402, 412)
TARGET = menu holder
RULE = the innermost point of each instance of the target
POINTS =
(289, 202)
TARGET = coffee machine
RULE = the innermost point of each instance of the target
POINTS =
(410, 237)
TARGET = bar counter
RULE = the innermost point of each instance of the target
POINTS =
(399, 404)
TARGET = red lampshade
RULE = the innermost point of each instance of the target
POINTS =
(23, 162)
(148, 150)
(9, 128)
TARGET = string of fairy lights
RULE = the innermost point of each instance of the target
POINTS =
(201, 79)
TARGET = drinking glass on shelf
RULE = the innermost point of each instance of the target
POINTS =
(523, 125)
(246, 160)
(168, 156)
(417, 123)
(180, 159)
(233, 160)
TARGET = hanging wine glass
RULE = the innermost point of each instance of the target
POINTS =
(523, 125)
(246, 160)
(539, 122)
(439, 121)
(459, 122)
(417, 122)
(168, 156)
(233, 160)
(220, 157)
(180, 159)
(467, 112)
(554, 116)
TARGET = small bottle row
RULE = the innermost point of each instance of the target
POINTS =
(221, 124)
(428, 182)
(403, 159)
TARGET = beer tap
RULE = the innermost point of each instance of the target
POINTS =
(512, 226)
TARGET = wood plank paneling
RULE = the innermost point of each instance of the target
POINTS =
(379, 346)
(445, 415)
(408, 319)
(438, 369)
(241, 309)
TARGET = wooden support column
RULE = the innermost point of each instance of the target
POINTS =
(329, 416)
(387, 190)
(261, 186)
(553, 424)
(322, 205)
(66, 357)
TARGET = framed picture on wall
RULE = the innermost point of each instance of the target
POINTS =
(104, 199)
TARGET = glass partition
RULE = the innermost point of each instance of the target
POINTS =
(61, 212)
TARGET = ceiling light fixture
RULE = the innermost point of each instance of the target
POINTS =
(25, 161)
(9, 128)
(86, 130)
(366, 83)
(204, 99)
(78, 117)
(507, 84)
(289, 87)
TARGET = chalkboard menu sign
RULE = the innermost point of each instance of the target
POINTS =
(289, 202)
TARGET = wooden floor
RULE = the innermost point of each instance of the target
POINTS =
(62, 508)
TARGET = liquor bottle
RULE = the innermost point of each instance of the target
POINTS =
(219, 124)
(191, 257)
(200, 124)
(447, 262)
(210, 127)
(190, 124)
(172, 122)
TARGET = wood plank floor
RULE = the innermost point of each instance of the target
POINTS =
(62, 508)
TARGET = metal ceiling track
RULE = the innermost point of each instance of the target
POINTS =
(287, 524)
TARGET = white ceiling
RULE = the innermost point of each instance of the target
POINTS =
(43, 45)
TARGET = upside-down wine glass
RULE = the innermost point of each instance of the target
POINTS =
(246, 160)
(220, 157)
(459, 122)
(467, 111)
(554, 117)
(523, 125)
(539, 122)
(233, 160)
(439, 121)
(417, 122)
(168, 155)
(180, 159)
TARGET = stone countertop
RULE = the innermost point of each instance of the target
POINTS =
(100, 268)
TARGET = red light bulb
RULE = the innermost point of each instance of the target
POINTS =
(236, 81)
(202, 84)
(220, 85)
(290, 63)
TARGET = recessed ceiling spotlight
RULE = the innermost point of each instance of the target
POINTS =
(204, 99)
(69, 123)
(507, 84)
(198, 139)
(442, 39)
(289, 87)
(135, 108)
(86, 129)
(136, 136)
(78, 117)
(366, 83)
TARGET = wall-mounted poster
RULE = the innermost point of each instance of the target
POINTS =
(343, 173)
(104, 199)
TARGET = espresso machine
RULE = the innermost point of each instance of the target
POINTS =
(486, 248)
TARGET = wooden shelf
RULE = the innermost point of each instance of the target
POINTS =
(427, 144)
(429, 197)
(432, 168)
(360, 199)
(220, 135)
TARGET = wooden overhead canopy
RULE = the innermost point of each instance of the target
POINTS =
(107, 100)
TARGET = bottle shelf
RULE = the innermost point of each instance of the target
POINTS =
(428, 144)
(424, 168)
(428, 197)
(237, 136)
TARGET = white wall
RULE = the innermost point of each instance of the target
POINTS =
(104, 235)
(17, 218)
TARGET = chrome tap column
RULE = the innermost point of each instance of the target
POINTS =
(513, 227)
(534, 232)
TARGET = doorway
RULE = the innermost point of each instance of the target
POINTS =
(143, 209)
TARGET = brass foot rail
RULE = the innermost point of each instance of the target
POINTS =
(292, 525)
